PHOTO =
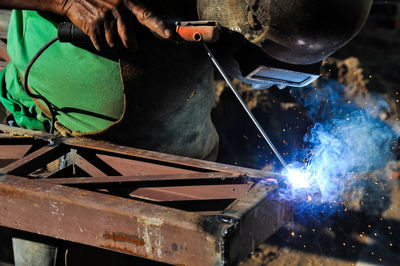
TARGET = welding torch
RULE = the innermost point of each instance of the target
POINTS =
(185, 31)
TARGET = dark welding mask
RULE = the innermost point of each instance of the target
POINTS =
(283, 41)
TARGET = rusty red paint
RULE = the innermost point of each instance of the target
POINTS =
(204, 235)
(124, 238)
(120, 250)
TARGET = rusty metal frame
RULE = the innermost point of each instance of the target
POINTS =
(177, 210)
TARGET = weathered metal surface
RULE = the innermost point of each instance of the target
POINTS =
(158, 159)
(86, 166)
(33, 161)
(192, 192)
(123, 225)
(178, 210)
(165, 159)
(257, 215)
(13, 151)
(153, 180)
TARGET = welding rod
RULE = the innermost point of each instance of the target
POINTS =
(244, 105)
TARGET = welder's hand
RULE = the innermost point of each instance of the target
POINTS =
(109, 22)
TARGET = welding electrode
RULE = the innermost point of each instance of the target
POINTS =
(193, 31)
(245, 107)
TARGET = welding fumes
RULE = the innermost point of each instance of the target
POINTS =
(347, 139)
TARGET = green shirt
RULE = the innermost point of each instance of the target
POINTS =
(85, 88)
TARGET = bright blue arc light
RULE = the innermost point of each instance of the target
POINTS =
(298, 178)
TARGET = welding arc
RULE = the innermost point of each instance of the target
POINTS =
(245, 107)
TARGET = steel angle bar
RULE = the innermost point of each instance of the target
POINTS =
(86, 166)
(160, 194)
(13, 151)
(26, 133)
(137, 228)
(118, 224)
(257, 215)
(35, 160)
(164, 159)
(154, 180)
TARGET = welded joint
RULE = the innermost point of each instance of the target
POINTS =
(222, 227)
(233, 225)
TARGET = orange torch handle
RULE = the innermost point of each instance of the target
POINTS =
(198, 31)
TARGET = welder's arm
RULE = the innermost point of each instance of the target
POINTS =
(107, 22)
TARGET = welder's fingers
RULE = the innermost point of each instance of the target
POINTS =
(111, 33)
(97, 37)
(147, 18)
(127, 34)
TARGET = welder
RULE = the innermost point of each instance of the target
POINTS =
(155, 94)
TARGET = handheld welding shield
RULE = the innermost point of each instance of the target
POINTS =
(285, 40)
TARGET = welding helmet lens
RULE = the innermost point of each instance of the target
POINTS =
(251, 65)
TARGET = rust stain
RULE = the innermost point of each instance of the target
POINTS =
(124, 238)
(12, 193)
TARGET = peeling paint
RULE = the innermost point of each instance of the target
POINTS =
(148, 241)
(154, 237)
(155, 221)
(57, 208)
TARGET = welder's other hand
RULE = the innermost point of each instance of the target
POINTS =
(109, 22)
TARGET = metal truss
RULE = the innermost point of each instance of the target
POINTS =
(157, 206)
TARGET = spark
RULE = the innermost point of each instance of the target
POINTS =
(298, 178)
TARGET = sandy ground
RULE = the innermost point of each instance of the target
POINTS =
(357, 238)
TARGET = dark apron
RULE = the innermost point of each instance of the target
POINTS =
(169, 94)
